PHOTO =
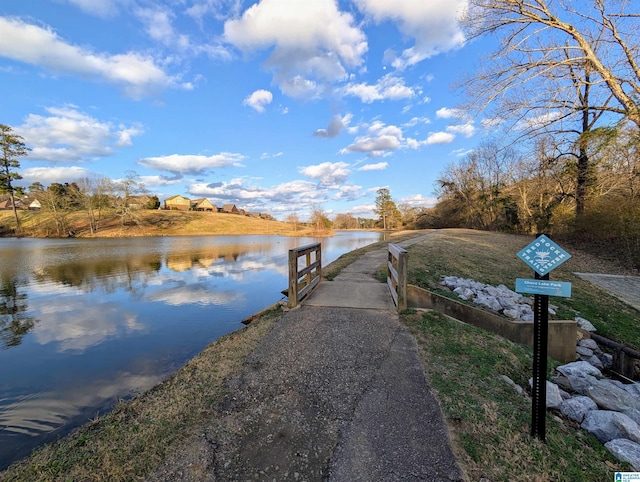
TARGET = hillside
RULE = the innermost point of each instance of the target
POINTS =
(147, 223)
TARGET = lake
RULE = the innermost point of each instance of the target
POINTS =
(85, 323)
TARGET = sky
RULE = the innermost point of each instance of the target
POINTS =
(278, 106)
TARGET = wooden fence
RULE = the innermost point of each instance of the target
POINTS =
(397, 276)
(303, 281)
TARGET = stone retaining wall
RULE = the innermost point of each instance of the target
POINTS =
(562, 333)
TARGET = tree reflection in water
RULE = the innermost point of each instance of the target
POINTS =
(14, 324)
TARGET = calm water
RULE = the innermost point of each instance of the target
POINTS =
(85, 323)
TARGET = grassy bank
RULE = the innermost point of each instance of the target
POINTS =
(488, 420)
(147, 223)
(491, 258)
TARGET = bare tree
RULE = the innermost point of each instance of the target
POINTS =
(560, 69)
(543, 40)
(294, 220)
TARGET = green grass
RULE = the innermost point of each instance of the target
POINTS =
(491, 258)
(489, 422)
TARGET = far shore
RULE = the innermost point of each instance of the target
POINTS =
(39, 224)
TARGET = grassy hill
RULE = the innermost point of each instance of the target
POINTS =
(147, 223)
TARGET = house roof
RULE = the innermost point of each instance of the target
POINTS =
(171, 198)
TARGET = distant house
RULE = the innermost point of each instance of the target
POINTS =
(230, 209)
(139, 202)
(177, 203)
(203, 205)
(253, 214)
(266, 216)
(7, 204)
(35, 205)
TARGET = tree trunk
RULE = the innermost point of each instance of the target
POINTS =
(15, 212)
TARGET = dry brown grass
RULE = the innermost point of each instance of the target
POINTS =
(151, 223)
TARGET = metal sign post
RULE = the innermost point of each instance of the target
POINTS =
(539, 389)
(543, 255)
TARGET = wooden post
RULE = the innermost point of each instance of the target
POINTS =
(397, 277)
(293, 279)
(402, 280)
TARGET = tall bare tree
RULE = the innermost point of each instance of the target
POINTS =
(546, 39)
(12, 147)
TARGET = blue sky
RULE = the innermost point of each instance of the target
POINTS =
(276, 106)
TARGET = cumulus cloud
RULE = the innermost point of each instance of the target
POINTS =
(328, 173)
(466, 130)
(100, 8)
(440, 138)
(297, 192)
(432, 24)
(192, 163)
(380, 166)
(418, 200)
(139, 75)
(258, 100)
(447, 113)
(69, 135)
(347, 193)
(313, 42)
(47, 175)
(389, 87)
(336, 125)
(380, 138)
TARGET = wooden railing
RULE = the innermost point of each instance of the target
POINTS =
(397, 277)
(303, 281)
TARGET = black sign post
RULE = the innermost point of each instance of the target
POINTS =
(543, 255)
(539, 389)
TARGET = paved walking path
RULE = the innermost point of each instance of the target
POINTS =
(626, 288)
(336, 392)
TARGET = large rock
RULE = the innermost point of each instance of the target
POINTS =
(590, 344)
(576, 408)
(633, 414)
(633, 389)
(606, 425)
(625, 450)
(584, 324)
(611, 397)
(554, 397)
(577, 376)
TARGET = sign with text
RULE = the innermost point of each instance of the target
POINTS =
(543, 255)
(543, 287)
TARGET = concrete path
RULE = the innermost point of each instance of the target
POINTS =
(625, 288)
(336, 392)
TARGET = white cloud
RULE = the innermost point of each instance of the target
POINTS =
(328, 173)
(294, 192)
(336, 125)
(417, 120)
(432, 24)
(380, 166)
(380, 138)
(313, 42)
(447, 113)
(47, 175)
(159, 180)
(138, 74)
(100, 8)
(418, 200)
(440, 138)
(258, 100)
(466, 130)
(191, 163)
(69, 135)
(347, 193)
(389, 87)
